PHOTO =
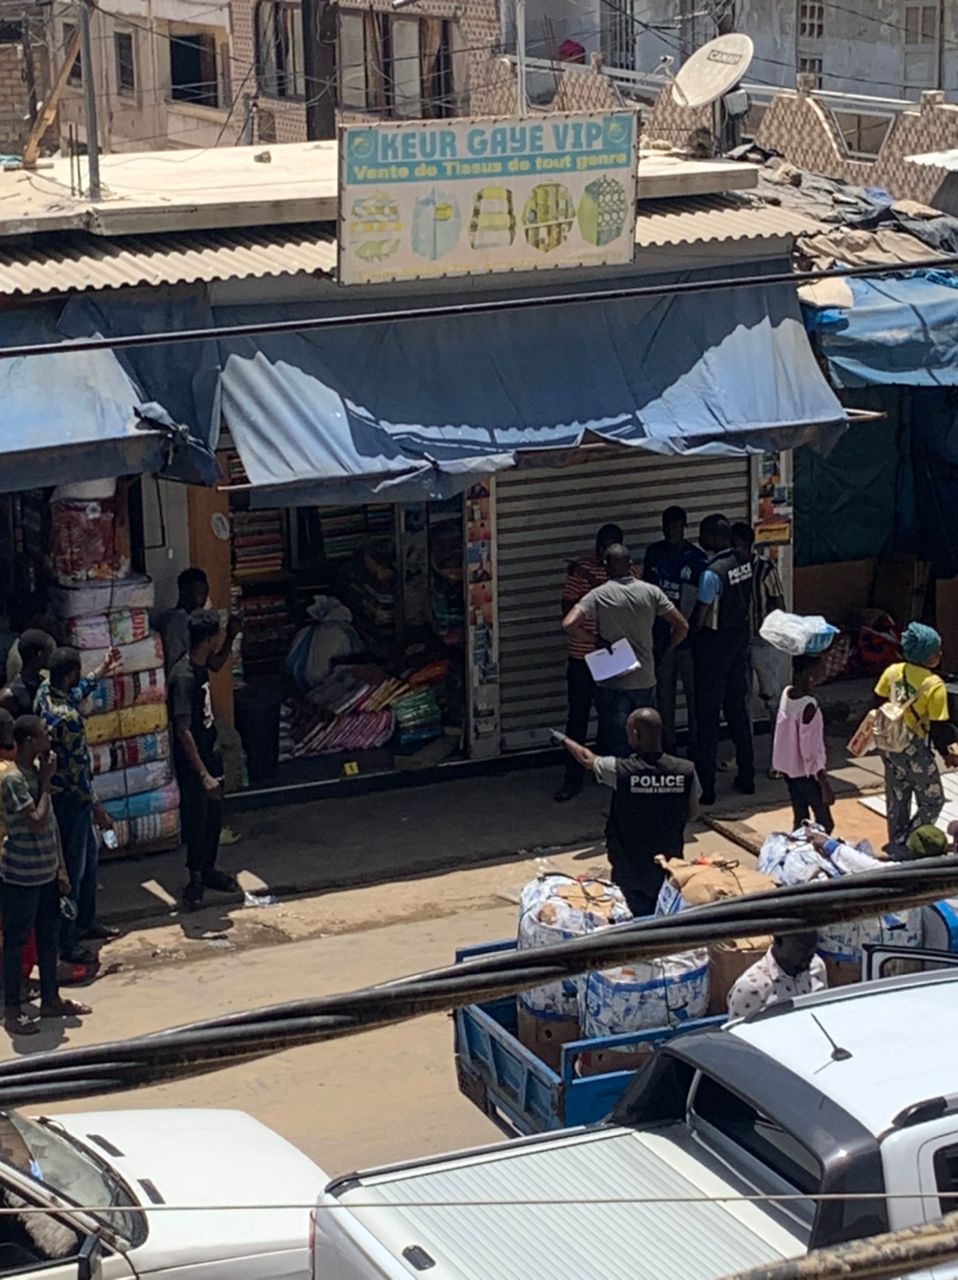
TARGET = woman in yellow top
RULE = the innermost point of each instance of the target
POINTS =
(912, 774)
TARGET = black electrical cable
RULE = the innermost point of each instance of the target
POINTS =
(212, 1044)
(473, 307)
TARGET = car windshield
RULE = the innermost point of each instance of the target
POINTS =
(42, 1152)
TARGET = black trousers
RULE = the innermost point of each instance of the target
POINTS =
(201, 818)
(639, 877)
(25, 909)
(581, 694)
(723, 686)
(806, 795)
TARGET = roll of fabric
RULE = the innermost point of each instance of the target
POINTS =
(129, 782)
(162, 800)
(107, 757)
(149, 830)
(102, 630)
(130, 722)
(142, 688)
(143, 655)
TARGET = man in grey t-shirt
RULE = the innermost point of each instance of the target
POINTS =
(625, 608)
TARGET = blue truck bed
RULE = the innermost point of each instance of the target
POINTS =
(518, 1090)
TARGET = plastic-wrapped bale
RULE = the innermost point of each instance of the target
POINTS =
(791, 859)
(141, 688)
(132, 781)
(151, 830)
(693, 884)
(107, 757)
(144, 805)
(133, 592)
(840, 945)
(86, 542)
(142, 655)
(643, 996)
(558, 908)
(103, 630)
(130, 722)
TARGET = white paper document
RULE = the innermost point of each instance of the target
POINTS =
(606, 664)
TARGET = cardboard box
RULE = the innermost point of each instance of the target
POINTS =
(601, 1062)
(545, 1036)
(842, 973)
(727, 962)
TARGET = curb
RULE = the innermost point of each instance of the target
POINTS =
(287, 890)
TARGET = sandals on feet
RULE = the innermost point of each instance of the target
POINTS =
(65, 1009)
(21, 1024)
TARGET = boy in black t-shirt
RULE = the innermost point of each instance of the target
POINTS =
(199, 768)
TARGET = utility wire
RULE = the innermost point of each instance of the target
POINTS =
(472, 307)
(214, 1043)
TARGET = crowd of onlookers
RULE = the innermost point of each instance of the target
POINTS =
(51, 823)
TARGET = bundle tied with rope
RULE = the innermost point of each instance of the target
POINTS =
(242, 1037)
(715, 879)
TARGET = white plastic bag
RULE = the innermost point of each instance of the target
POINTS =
(794, 634)
(330, 635)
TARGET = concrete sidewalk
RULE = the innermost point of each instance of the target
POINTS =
(342, 842)
(391, 835)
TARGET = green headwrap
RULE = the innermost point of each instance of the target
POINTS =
(928, 842)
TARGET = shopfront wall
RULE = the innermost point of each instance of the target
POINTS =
(544, 518)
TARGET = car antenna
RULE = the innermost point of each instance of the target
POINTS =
(838, 1053)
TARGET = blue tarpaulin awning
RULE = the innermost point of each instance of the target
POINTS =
(72, 417)
(416, 408)
(900, 331)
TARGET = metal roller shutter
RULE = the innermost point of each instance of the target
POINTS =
(543, 519)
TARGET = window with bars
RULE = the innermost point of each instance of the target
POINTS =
(280, 68)
(618, 34)
(811, 66)
(398, 67)
(921, 42)
(124, 58)
(811, 19)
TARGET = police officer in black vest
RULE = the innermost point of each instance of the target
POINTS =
(655, 795)
(721, 630)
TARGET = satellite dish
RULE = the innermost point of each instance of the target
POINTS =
(712, 70)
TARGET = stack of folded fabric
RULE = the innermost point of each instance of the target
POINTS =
(126, 717)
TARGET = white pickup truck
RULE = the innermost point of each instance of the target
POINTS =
(848, 1094)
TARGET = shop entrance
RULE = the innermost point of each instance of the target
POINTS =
(351, 659)
(544, 518)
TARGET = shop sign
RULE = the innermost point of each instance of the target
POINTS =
(429, 198)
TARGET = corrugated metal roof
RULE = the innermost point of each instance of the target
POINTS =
(713, 219)
(937, 159)
(75, 261)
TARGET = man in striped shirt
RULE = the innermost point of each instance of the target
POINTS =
(33, 875)
(584, 573)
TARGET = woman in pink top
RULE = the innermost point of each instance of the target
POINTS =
(798, 751)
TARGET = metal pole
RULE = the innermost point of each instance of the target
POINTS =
(89, 101)
(521, 103)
